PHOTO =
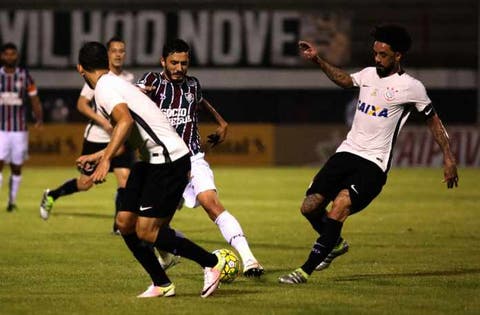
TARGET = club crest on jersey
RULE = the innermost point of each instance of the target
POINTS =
(372, 110)
(390, 94)
(189, 97)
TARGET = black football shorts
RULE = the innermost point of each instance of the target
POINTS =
(363, 179)
(155, 190)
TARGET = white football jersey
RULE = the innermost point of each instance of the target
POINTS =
(382, 109)
(152, 126)
(93, 132)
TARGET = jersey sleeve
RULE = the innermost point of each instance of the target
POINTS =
(87, 92)
(107, 96)
(418, 96)
(148, 79)
(31, 87)
(199, 91)
(357, 77)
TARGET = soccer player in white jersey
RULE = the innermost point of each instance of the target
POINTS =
(155, 185)
(96, 137)
(16, 86)
(356, 173)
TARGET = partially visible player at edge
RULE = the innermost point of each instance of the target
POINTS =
(356, 173)
(180, 98)
(154, 186)
(96, 137)
(15, 85)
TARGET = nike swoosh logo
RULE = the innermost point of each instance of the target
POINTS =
(354, 189)
(428, 112)
(145, 208)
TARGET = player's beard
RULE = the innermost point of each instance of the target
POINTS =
(383, 71)
(169, 75)
(10, 63)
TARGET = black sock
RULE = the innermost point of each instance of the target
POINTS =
(324, 245)
(69, 187)
(119, 204)
(169, 242)
(317, 219)
(146, 257)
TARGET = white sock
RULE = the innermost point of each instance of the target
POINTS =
(1, 180)
(14, 185)
(233, 234)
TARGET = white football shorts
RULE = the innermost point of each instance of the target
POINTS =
(201, 179)
(14, 147)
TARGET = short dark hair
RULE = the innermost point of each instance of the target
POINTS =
(8, 45)
(93, 56)
(113, 40)
(394, 35)
(175, 45)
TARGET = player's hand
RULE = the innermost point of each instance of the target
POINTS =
(218, 136)
(307, 50)
(146, 89)
(39, 125)
(86, 164)
(101, 171)
(213, 139)
(450, 175)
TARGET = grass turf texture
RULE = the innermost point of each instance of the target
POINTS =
(413, 251)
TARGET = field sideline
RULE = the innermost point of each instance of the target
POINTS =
(415, 250)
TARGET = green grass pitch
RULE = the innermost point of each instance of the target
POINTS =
(414, 250)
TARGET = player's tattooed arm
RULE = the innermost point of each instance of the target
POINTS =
(309, 52)
(441, 137)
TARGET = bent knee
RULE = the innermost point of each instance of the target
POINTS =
(311, 202)
(341, 206)
(125, 222)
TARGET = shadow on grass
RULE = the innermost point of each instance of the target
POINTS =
(226, 292)
(377, 276)
(256, 245)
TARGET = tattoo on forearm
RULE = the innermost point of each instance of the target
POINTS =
(440, 134)
(338, 76)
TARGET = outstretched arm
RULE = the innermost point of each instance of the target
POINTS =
(221, 131)
(309, 52)
(440, 135)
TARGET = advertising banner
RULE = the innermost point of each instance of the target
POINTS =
(246, 144)
(220, 38)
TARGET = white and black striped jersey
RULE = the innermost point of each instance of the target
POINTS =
(93, 132)
(382, 109)
(157, 135)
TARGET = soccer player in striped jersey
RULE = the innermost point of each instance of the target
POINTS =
(155, 185)
(96, 137)
(180, 98)
(16, 85)
(356, 173)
